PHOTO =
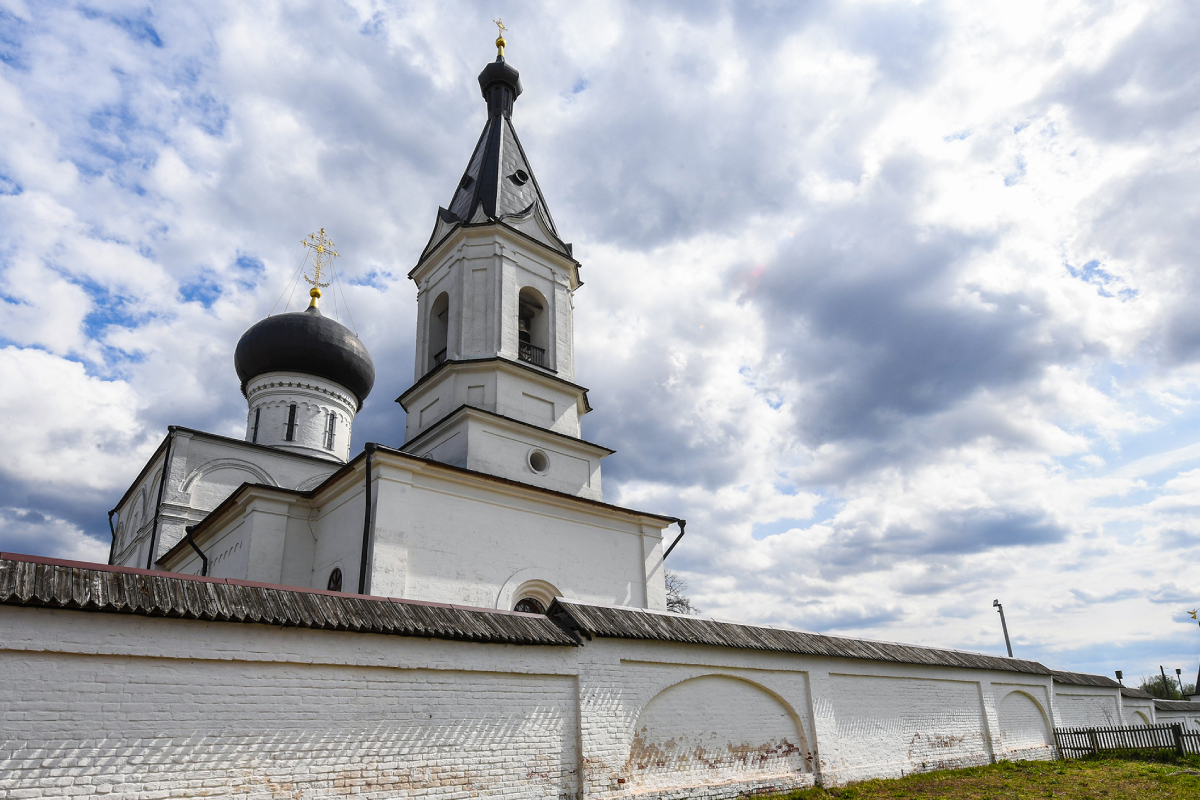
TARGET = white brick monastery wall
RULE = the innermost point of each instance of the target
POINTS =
(142, 707)
(1089, 707)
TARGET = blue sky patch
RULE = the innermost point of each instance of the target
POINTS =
(138, 28)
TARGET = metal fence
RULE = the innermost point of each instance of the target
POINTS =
(1076, 742)
(532, 354)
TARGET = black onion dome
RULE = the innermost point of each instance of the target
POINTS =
(501, 86)
(308, 343)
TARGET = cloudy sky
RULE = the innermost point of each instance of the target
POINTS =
(895, 302)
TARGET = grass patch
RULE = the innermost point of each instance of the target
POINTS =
(1133, 777)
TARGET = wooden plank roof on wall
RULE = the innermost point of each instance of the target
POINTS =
(1083, 679)
(51, 583)
(1177, 705)
(634, 623)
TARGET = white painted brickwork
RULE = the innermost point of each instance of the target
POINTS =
(1085, 706)
(892, 725)
(138, 707)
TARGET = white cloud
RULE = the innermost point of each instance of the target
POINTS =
(27, 531)
(894, 302)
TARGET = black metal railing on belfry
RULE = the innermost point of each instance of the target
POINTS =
(532, 354)
(439, 357)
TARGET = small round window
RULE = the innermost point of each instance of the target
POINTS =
(539, 462)
(520, 177)
(335, 580)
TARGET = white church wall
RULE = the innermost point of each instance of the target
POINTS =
(498, 447)
(564, 328)
(228, 554)
(284, 539)
(539, 403)
(500, 388)
(204, 471)
(335, 527)
(454, 538)
(134, 520)
(139, 706)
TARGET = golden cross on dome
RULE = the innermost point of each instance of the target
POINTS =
(322, 254)
(500, 29)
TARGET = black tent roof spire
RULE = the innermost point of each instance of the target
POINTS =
(498, 184)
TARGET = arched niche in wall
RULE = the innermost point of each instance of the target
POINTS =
(1138, 718)
(313, 482)
(439, 330)
(541, 583)
(1023, 724)
(715, 729)
(210, 483)
(533, 327)
(535, 596)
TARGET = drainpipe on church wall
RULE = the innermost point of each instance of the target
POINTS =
(187, 534)
(162, 485)
(112, 548)
(368, 528)
(682, 526)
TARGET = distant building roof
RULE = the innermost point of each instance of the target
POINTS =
(1083, 679)
(633, 623)
(51, 583)
(1177, 705)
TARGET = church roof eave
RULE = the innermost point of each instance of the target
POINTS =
(564, 255)
(453, 416)
(239, 495)
(503, 362)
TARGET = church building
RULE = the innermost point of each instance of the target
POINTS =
(461, 615)
(493, 500)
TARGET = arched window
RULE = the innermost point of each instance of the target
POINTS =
(289, 435)
(535, 596)
(330, 429)
(439, 327)
(335, 580)
(533, 327)
(530, 605)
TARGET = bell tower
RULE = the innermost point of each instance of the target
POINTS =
(495, 384)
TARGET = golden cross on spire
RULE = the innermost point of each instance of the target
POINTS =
(322, 254)
(500, 29)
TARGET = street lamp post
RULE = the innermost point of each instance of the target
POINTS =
(1004, 625)
(1179, 678)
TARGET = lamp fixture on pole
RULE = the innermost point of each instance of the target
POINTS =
(996, 605)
